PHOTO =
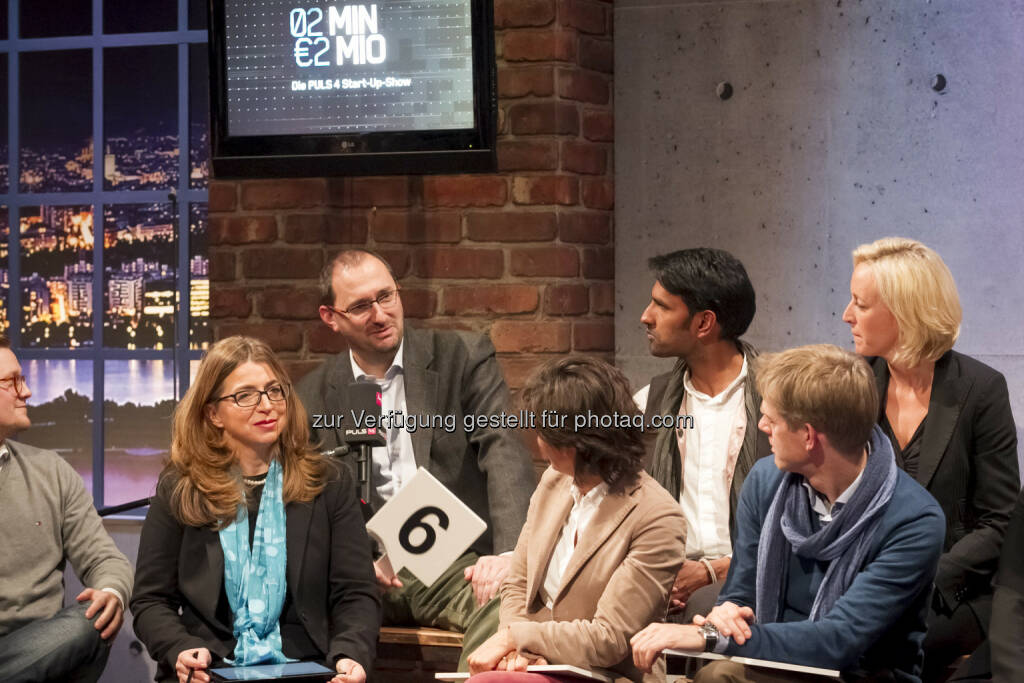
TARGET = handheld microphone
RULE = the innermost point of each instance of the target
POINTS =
(343, 450)
(364, 401)
(365, 408)
(336, 452)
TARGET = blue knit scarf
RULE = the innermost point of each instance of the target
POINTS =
(255, 582)
(844, 542)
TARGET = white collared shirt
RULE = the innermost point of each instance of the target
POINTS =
(394, 464)
(820, 504)
(704, 497)
(583, 509)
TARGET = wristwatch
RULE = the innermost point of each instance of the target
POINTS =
(711, 636)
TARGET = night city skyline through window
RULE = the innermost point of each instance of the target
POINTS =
(103, 226)
(55, 98)
(140, 118)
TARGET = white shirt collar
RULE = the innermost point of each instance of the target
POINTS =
(395, 368)
(820, 505)
(592, 498)
(724, 395)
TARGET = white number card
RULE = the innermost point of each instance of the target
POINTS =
(425, 528)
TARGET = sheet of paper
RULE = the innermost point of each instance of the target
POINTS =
(764, 663)
(566, 670)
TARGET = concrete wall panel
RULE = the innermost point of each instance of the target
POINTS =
(835, 135)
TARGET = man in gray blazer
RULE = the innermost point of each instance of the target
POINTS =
(423, 374)
(47, 519)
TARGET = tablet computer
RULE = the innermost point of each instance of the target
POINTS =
(293, 672)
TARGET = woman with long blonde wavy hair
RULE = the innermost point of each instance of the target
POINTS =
(254, 549)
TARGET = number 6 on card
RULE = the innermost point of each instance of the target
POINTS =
(425, 528)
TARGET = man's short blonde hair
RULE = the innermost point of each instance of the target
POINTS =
(822, 385)
(919, 289)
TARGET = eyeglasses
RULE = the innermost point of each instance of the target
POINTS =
(15, 382)
(247, 398)
(357, 310)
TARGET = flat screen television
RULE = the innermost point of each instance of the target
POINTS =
(329, 87)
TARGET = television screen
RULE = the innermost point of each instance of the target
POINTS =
(334, 87)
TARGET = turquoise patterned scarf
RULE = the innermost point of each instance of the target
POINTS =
(255, 582)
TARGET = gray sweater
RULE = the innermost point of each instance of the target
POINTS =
(46, 520)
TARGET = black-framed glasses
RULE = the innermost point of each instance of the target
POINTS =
(15, 382)
(361, 308)
(247, 398)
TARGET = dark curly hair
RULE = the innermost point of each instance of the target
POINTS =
(589, 388)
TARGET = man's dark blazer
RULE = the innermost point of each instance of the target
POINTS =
(446, 373)
(329, 573)
(969, 464)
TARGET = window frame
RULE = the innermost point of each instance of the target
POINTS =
(182, 196)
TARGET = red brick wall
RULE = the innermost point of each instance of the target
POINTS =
(524, 254)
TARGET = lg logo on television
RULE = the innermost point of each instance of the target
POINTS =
(353, 27)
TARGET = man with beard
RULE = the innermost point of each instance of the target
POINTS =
(702, 301)
(424, 373)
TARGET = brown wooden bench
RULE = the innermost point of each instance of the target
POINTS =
(414, 655)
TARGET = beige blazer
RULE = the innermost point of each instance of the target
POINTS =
(617, 581)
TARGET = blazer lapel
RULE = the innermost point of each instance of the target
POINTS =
(420, 391)
(545, 535)
(949, 392)
(298, 518)
(881, 371)
(606, 520)
(203, 585)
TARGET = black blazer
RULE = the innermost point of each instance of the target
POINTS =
(329, 573)
(969, 463)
